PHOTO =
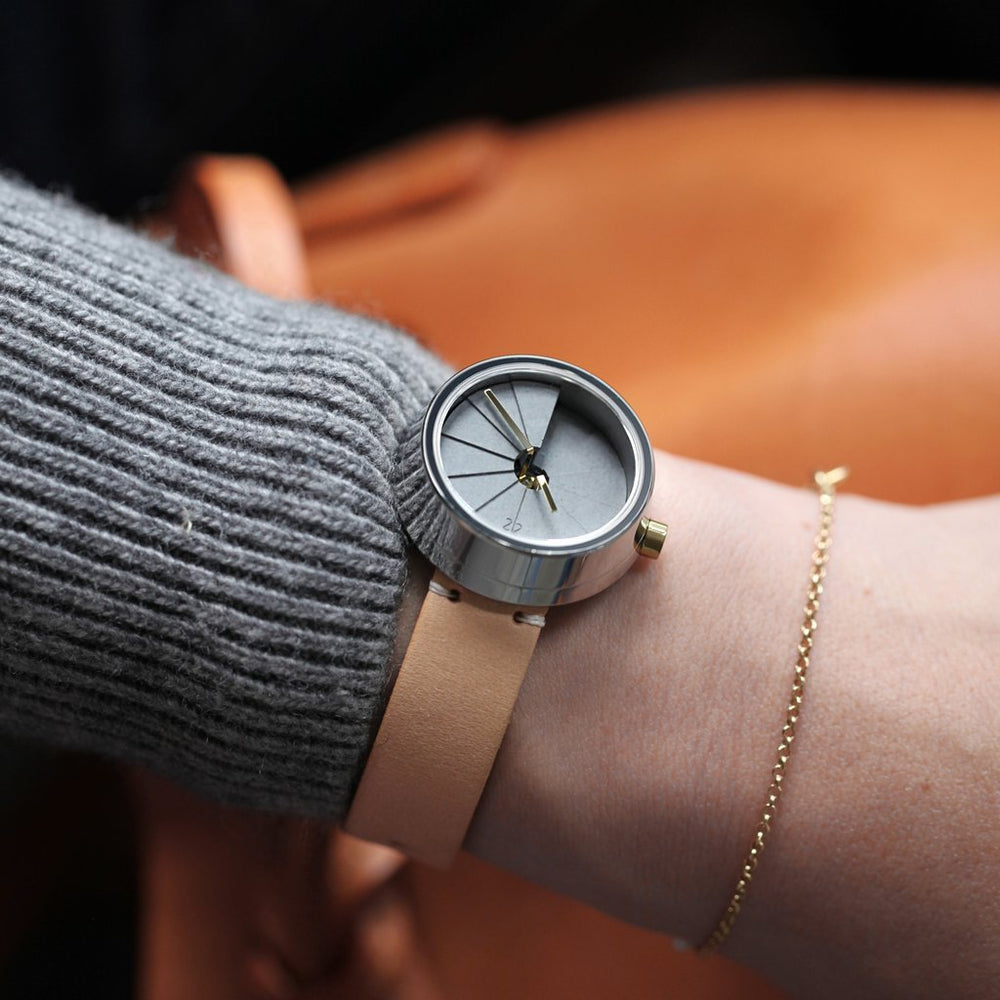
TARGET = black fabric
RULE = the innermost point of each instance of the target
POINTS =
(106, 97)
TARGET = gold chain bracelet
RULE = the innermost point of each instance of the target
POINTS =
(826, 484)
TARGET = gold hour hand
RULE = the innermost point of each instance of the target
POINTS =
(521, 437)
(543, 485)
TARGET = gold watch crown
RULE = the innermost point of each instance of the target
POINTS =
(649, 537)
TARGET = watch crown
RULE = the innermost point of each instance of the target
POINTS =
(649, 537)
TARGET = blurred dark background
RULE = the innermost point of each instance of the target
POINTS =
(103, 98)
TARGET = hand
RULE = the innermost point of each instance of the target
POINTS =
(633, 772)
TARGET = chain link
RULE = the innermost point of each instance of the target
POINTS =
(826, 484)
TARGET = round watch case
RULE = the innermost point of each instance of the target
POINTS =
(490, 562)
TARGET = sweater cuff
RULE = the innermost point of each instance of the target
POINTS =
(200, 558)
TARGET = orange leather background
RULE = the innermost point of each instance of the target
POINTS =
(777, 281)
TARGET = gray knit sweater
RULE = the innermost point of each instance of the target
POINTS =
(200, 559)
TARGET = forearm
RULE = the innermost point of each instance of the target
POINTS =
(636, 765)
(200, 560)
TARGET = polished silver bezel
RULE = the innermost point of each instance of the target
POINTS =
(499, 566)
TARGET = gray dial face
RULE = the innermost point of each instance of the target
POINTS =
(530, 458)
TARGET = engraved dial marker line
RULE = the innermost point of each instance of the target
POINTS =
(520, 504)
(517, 403)
(491, 472)
(479, 447)
(495, 427)
(496, 496)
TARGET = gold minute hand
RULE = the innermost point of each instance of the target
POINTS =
(522, 439)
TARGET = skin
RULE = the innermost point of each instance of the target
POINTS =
(635, 767)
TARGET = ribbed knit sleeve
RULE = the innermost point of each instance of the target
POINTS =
(200, 558)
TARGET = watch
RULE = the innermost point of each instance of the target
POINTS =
(525, 485)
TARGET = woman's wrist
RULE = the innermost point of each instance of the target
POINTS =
(635, 767)
(634, 760)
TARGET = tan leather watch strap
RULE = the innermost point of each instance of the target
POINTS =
(444, 723)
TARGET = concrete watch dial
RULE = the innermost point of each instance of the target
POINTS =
(526, 481)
